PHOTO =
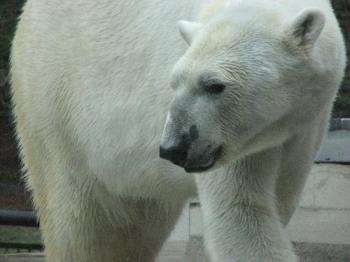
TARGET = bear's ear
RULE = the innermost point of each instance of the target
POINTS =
(188, 30)
(305, 29)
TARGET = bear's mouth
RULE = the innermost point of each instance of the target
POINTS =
(202, 164)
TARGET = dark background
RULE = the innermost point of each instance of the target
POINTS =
(12, 195)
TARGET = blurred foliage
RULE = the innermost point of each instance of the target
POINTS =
(342, 104)
(9, 162)
(9, 11)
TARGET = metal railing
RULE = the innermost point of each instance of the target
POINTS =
(19, 218)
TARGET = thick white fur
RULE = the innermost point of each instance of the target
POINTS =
(91, 90)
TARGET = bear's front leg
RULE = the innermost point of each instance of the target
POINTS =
(240, 218)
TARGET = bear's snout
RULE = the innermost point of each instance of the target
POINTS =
(190, 155)
(176, 153)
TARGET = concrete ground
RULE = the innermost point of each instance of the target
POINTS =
(320, 228)
(193, 251)
(307, 252)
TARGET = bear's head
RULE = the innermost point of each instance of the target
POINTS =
(238, 84)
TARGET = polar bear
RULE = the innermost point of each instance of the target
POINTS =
(120, 121)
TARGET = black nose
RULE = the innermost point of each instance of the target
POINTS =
(175, 154)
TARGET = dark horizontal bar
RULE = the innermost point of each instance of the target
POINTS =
(18, 218)
(21, 246)
(344, 163)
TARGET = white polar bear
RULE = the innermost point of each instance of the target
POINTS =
(251, 100)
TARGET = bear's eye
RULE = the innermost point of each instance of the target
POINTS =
(214, 88)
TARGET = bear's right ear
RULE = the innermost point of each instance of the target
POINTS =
(188, 30)
(305, 28)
